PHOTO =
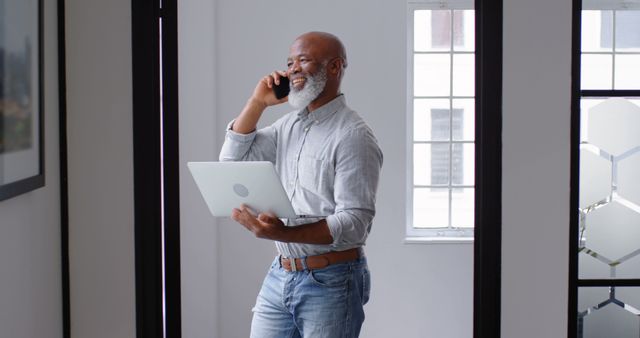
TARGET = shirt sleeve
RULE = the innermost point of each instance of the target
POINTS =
(258, 145)
(357, 171)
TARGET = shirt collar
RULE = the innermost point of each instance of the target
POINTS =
(326, 110)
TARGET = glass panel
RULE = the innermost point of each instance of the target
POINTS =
(611, 235)
(430, 207)
(595, 178)
(425, 128)
(462, 207)
(630, 268)
(628, 30)
(614, 126)
(431, 75)
(463, 75)
(595, 37)
(464, 127)
(628, 177)
(608, 312)
(432, 30)
(609, 189)
(627, 71)
(463, 169)
(590, 267)
(596, 71)
(464, 30)
(585, 105)
(431, 164)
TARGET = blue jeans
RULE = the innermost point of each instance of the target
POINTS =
(322, 303)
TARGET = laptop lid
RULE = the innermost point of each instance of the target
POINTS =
(227, 185)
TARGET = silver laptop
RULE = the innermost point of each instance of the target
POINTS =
(227, 185)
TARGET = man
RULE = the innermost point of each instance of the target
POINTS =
(329, 163)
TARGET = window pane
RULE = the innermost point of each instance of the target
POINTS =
(585, 105)
(431, 164)
(430, 207)
(424, 126)
(627, 71)
(464, 124)
(595, 37)
(463, 169)
(464, 30)
(628, 31)
(462, 207)
(432, 30)
(596, 71)
(608, 312)
(463, 75)
(431, 75)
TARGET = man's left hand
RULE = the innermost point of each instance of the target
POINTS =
(264, 225)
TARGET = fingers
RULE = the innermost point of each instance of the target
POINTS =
(274, 78)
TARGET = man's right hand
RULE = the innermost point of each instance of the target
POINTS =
(264, 94)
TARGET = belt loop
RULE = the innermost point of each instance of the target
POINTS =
(303, 261)
(292, 262)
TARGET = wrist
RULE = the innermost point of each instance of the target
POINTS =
(256, 103)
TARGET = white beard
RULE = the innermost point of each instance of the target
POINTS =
(313, 86)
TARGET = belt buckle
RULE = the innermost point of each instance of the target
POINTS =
(292, 264)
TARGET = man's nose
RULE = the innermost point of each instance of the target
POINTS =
(294, 68)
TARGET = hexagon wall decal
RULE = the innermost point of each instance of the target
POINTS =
(613, 231)
(614, 126)
(595, 178)
(629, 178)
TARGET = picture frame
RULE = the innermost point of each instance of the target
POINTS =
(21, 98)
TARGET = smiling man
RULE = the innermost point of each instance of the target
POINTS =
(329, 163)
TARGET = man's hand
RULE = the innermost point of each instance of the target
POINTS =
(262, 97)
(266, 226)
(269, 226)
(263, 93)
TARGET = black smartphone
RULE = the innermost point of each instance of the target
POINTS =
(282, 90)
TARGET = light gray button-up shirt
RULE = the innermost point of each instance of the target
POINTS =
(329, 163)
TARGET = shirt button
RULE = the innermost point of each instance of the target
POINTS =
(306, 129)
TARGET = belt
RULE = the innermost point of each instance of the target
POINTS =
(319, 261)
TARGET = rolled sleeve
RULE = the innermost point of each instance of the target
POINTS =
(358, 165)
(258, 145)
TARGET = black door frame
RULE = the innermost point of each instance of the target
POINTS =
(488, 196)
(156, 161)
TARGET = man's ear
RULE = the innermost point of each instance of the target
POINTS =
(336, 66)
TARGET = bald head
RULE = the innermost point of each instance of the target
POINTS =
(327, 45)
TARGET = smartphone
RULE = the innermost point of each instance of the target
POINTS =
(282, 90)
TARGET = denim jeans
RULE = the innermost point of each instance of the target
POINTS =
(322, 303)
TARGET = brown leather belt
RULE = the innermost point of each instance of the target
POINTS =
(320, 261)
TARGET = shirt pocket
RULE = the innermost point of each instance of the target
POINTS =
(315, 175)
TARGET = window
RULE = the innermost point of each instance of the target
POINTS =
(441, 117)
(606, 225)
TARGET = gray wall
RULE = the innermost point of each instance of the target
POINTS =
(417, 290)
(100, 149)
(536, 151)
(198, 132)
(31, 284)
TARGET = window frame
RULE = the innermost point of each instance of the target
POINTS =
(577, 94)
(433, 235)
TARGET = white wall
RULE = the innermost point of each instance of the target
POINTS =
(418, 290)
(31, 282)
(198, 130)
(100, 149)
(536, 152)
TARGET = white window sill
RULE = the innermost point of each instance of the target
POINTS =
(438, 240)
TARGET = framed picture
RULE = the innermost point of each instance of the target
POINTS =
(21, 97)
